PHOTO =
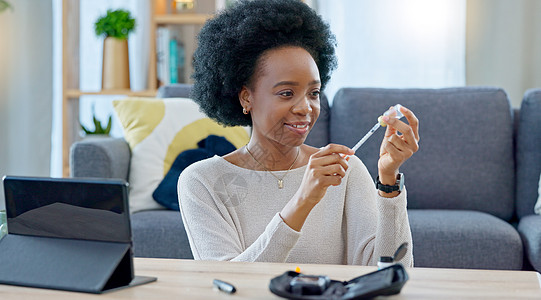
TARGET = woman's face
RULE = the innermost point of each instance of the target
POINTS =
(283, 100)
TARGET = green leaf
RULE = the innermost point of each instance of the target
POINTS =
(109, 125)
(98, 127)
(86, 130)
(97, 124)
(116, 23)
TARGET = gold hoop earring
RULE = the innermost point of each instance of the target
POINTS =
(244, 111)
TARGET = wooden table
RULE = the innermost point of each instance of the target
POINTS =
(188, 279)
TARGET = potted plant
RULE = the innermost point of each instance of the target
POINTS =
(99, 130)
(115, 26)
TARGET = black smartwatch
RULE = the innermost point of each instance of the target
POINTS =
(398, 186)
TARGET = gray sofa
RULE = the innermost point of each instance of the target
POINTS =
(471, 187)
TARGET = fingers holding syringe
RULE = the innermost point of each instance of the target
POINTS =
(398, 150)
(413, 122)
(326, 167)
(332, 154)
(410, 132)
(333, 148)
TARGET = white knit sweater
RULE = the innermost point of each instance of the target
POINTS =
(231, 213)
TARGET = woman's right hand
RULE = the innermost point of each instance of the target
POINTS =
(326, 167)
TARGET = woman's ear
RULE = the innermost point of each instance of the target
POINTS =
(245, 98)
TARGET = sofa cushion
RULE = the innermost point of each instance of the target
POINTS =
(465, 159)
(319, 135)
(175, 90)
(464, 239)
(157, 130)
(159, 234)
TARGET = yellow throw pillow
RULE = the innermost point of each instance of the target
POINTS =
(158, 130)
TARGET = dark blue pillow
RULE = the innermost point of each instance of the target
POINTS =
(166, 193)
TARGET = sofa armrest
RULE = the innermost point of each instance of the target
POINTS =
(100, 157)
(530, 232)
(527, 153)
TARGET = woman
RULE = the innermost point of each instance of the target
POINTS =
(264, 64)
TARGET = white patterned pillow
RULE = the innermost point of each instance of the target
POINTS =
(158, 130)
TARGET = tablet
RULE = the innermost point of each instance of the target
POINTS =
(73, 208)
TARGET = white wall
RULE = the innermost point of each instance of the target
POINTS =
(25, 89)
(503, 45)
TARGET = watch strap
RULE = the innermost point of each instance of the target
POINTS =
(398, 186)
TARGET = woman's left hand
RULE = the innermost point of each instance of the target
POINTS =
(397, 148)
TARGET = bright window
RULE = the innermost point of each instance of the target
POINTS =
(396, 43)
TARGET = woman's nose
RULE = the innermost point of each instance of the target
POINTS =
(302, 106)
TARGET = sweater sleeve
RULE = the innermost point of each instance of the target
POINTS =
(211, 228)
(375, 226)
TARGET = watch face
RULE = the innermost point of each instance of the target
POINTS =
(401, 181)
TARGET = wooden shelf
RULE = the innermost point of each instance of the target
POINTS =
(129, 93)
(181, 19)
(70, 60)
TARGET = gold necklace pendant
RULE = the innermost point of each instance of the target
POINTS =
(280, 180)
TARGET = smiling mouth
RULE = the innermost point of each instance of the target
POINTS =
(298, 126)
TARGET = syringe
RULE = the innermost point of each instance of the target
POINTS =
(393, 112)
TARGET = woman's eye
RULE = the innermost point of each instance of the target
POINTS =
(286, 93)
(315, 94)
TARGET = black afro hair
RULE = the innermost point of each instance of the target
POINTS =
(231, 43)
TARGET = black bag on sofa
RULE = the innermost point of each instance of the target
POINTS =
(293, 285)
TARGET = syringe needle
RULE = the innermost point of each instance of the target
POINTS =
(365, 137)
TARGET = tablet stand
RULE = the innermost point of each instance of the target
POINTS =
(67, 264)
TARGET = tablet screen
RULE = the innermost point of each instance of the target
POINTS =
(87, 209)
